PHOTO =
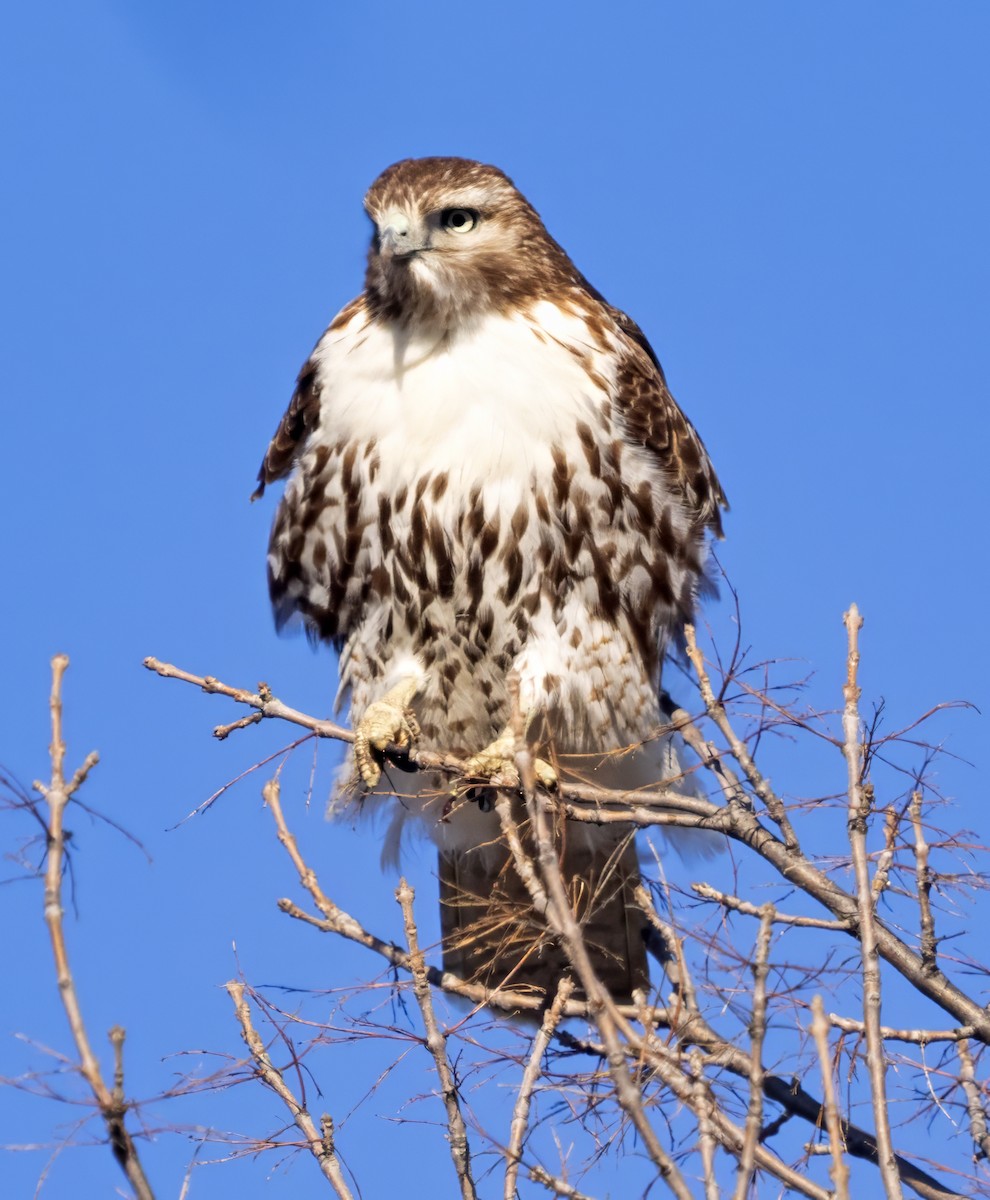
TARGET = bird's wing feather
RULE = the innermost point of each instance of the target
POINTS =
(300, 419)
(653, 420)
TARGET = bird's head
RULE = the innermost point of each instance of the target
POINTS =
(454, 240)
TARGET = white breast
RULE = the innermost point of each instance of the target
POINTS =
(485, 404)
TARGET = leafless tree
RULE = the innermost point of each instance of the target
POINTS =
(809, 1003)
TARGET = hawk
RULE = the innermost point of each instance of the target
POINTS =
(487, 476)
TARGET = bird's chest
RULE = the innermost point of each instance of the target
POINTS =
(483, 409)
(452, 496)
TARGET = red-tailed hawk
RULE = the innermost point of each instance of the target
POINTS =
(487, 474)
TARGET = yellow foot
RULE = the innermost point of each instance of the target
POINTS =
(389, 721)
(497, 763)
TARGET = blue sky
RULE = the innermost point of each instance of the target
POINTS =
(791, 199)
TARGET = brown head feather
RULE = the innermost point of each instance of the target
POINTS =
(507, 261)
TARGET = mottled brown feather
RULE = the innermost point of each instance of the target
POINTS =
(654, 420)
(301, 417)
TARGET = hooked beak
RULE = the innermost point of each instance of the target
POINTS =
(398, 237)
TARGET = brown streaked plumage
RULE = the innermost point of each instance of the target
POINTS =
(488, 475)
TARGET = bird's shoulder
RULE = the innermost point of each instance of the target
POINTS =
(653, 420)
(302, 416)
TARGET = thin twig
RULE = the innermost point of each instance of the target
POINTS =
(688, 1026)
(590, 803)
(552, 902)
(885, 860)
(520, 1111)
(558, 1186)
(839, 1171)
(707, 892)
(262, 699)
(857, 826)
(436, 1043)
(757, 1032)
(57, 794)
(920, 1037)
(560, 917)
(683, 723)
(788, 1093)
(703, 1103)
(670, 1070)
(673, 957)
(929, 944)
(740, 752)
(320, 1146)
(799, 871)
(223, 731)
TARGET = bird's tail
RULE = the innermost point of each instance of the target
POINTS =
(493, 935)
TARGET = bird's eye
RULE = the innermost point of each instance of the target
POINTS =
(459, 220)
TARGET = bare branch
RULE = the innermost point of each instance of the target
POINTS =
(757, 1032)
(702, 1104)
(857, 825)
(921, 1037)
(886, 859)
(590, 803)
(688, 1026)
(929, 944)
(57, 795)
(335, 920)
(672, 954)
(318, 1144)
(739, 823)
(436, 1043)
(554, 903)
(223, 731)
(838, 1172)
(683, 723)
(558, 1186)
(520, 1112)
(707, 892)
(740, 752)
(646, 807)
(974, 1103)
(650, 1062)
